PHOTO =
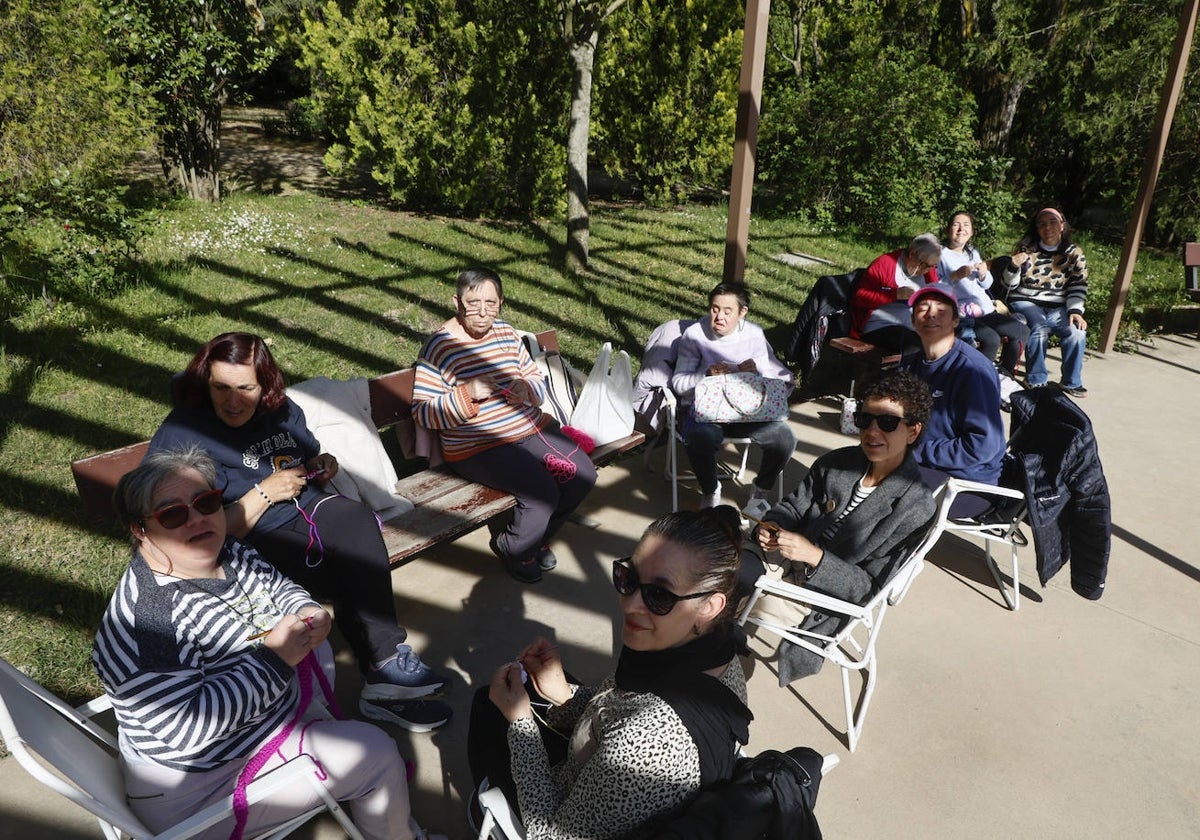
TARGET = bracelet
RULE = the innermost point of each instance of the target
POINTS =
(263, 493)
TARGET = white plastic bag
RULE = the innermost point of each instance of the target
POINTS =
(605, 407)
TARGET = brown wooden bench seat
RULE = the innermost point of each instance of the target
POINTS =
(866, 359)
(445, 505)
(1191, 270)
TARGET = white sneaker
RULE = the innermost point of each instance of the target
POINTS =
(1008, 387)
(758, 504)
(711, 500)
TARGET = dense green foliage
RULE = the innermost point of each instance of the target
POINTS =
(68, 120)
(443, 110)
(1035, 103)
(189, 57)
(666, 95)
(881, 128)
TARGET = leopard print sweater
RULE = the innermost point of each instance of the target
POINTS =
(630, 758)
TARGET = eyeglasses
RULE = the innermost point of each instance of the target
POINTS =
(480, 307)
(173, 516)
(657, 599)
(886, 422)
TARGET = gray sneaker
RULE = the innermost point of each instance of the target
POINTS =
(413, 715)
(403, 677)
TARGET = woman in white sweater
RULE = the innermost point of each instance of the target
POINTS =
(725, 342)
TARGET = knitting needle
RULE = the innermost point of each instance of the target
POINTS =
(307, 623)
(770, 526)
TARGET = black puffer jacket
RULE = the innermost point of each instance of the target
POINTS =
(1053, 459)
(770, 797)
(822, 317)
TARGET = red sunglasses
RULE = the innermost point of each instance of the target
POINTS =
(174, 516)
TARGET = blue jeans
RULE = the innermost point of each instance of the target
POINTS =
(702, 440)
(1043, 323)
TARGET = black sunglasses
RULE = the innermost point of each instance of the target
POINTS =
(657, 599)
(886, 422)
(173, 516)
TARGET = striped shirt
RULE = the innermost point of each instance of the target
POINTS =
(859, 496)
(441, 401)
(190, 692)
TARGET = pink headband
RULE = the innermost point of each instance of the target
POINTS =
(1052, 211)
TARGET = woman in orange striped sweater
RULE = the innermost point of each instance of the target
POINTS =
(478, 388)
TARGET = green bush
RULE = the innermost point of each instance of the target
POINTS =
(444, 112)
(888, 146)
(70, 239)
(665, 104)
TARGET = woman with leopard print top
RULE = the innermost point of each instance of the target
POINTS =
(602, 761)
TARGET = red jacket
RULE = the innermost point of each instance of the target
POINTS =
(875, 287)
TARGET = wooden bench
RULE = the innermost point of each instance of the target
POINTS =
(445, 505)
(866, 359)
(1191, 270)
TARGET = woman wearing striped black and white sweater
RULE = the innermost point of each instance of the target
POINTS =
(215, 661)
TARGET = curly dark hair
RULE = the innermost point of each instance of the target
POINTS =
(236, 348)
(905, 388)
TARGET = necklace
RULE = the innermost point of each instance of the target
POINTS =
(263, 609)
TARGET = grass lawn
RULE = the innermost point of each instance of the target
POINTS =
(339, 289)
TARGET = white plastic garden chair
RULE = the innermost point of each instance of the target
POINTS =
(853, 646)
(1005, 531)
(65, 750)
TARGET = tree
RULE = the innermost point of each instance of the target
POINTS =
(442, 111)
(69, 121)
(581, 21)
(190, 57)
(57, 87)
(665, 107)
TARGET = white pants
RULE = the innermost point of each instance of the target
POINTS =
(361, 764)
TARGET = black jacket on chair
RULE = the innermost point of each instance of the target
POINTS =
(1053, 459)
(822, 317)
(770, 797)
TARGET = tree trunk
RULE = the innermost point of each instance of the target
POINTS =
(998, 98)
(192, 155)
(583, 54)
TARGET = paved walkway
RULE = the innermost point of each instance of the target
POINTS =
(1067, 719)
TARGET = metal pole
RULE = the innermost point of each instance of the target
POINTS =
(1154, 155)
(741, 187)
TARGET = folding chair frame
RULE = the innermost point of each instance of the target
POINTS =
(43, 732)
(851, 648)
(1006, 533)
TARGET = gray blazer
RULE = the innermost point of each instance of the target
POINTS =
(867, 548)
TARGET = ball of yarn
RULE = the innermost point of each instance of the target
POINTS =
(581, 437)
(561, 468)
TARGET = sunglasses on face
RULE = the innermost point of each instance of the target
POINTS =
(886, 422)
(174, 516)
(657, 599)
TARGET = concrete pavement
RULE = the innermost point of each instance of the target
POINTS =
(1066, 719)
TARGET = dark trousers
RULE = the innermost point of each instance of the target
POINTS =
(702, 440)
(487, 743)
(347, 563)
(545, 498)
(1003, 334)
(966, 505)
(894, 339)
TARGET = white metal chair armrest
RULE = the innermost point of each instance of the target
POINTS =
(498, 816)
(1006, 532)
